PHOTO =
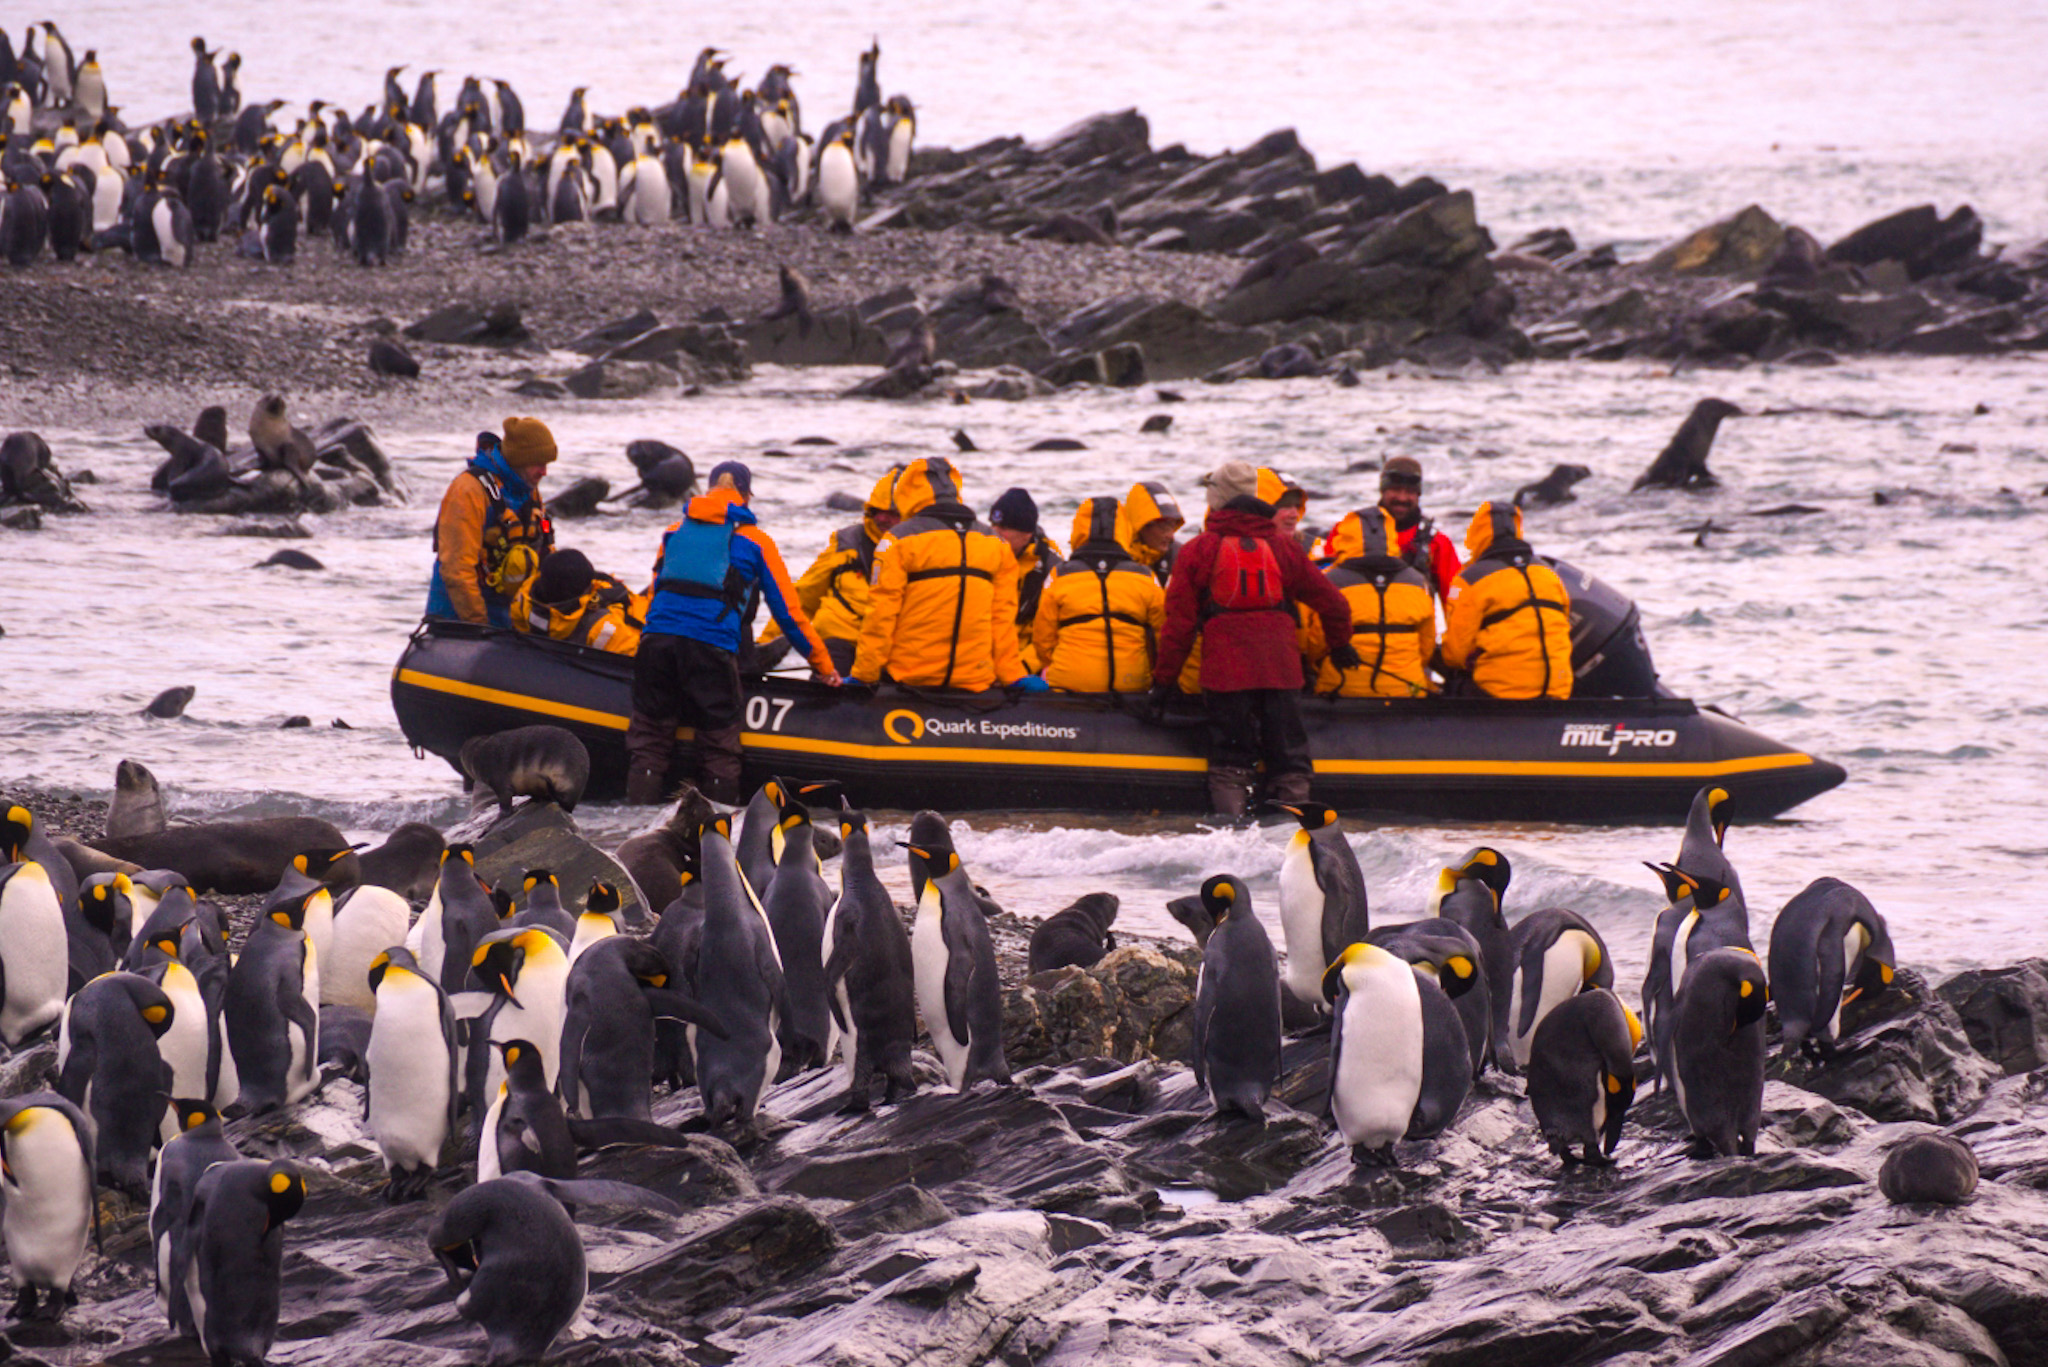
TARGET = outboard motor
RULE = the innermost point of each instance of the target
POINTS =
(1610, 658)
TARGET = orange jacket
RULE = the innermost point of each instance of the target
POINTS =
(609, 617)
(943, 610)
(471, 546)
(1510, 617)
(1099, 618)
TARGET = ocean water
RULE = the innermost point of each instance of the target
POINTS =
(1627, 123)
(1901, 640)
(1898, 639)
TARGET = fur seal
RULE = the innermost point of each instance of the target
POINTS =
(547, 763)
(1555, 487)
(170, 703)
(408, 861)
(1079, 935)
(657, 859)
(237, 856)
(1683, 463)
(1935, 1169)
(138, 805)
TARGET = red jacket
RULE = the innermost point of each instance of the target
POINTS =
(1244, 650)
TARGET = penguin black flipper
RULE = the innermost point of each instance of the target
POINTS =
(959, 976)
(296, 1010)
(669, 1004)
(837, 962)
(606, 1131)
(1531, 970)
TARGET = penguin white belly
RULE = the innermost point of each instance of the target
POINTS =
(838, 184)
(49, 1201)
(538, 1020)
(409, 1074)
(1853, 945)
(370, 922)
(167, 243)
(589, 930)
(928, 955)
(229, 1084)
(33, 953)
(1563, 974)
(196, 1300)
(1681, 950)
(899, 149)
(319, 926)
(186, 1044)
(425, 939)
(1379, 1069)
(304, 1074)
(650, 193)
(1600, 1106)
(1301, 922)
(837, 1038)
(487, 1164)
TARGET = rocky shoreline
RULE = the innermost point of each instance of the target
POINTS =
(1098, 1213)
(1092, 257)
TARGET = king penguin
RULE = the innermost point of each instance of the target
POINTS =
(1557, 955)
(1702, 850)
(108, 1066)
(600, 919)
(544, 909)
(1376, 1050)
(413, 1059)
(738, 979)
(527, 973)
(618, 988)
(870, 974)
(46, 1171)
(197, 1145)
(271, 1006)
(838, 182)
(1446, 974)
(1582, 1075)
(797, 902)
(1717, 1050)
(231, 1259)
(958, 990)
(1437, 940)
(1828, 947)
(525, 1129)
(1237, 1005)
(1469, 893)
(1322, 898)
(35, 961)
(1680, 935)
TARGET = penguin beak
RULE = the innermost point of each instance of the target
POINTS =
(506, 982)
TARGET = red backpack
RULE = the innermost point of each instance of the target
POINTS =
(1246, 577)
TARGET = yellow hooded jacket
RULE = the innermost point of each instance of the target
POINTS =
(1393, 621)
(942, 612)
(1510, 617)
(1099, 618)
(834, 590)
(609, 617)
(1146, 503)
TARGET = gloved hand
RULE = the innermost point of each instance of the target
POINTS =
(855, 688)
(1155, 702)
(1344, 655)
(1030, 683)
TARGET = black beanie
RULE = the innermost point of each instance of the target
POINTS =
(564, 577)
(1014, 510)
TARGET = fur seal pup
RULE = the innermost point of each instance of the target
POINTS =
(1237, 1004)
(170, 703)
(46, 1171)
(1582, 1076)
(108, 1066)
(656, 859)
(138, 806)
(1322, 898)
(231, 1259)
(1828, 947)
(408, 862)
(238, 857)
(1078, 935)
(959, 991)
(413, 1062)
(1717, 1048)
(546, 763)
(1376, 1050)
(389, 358)
(1553, 488)
(515, 1261)
(1928, 1169)
(279, 445)
(870, 975)
(1557, 955)
(197, 1145)
(1682, 464)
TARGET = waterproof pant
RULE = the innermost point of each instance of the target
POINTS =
(680, 681)
(1253, 726)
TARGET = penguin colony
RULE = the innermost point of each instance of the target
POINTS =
(535, 1031)
(75, 178)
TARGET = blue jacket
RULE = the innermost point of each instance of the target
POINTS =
(754, 563)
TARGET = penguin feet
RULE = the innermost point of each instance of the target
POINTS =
(1696, 1147)
(24, 1304)
(1381, 1157)
(858, 1102)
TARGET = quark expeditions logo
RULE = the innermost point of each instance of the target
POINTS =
(906, 727)
(1600, 735)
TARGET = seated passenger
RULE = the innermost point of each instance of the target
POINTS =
(1100, 617)
(1014, 517)
(1289, 502)
(1393, 621)
(1152, 519)
(833, 592)
(942, 612)
(569, 601)
(1422, 545)
(1510, 624)
(493, 526)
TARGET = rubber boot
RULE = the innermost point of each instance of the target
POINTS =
(719, 761)
(1289, 787)
(645, 785)
(1230, 792)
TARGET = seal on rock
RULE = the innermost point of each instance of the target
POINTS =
(1079, 935)
(548, 763)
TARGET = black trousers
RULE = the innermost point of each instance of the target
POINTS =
(1254, 725)
(680, 681)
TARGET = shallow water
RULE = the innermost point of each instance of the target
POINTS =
(1898, 640)
(1629, 123)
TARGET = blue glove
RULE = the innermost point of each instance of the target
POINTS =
(1030, 683)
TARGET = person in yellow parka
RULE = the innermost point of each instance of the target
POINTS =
(834, 590)
(1510, 622)
(1393, 620)
(1152, 518)
(1101, 613)
(568, 600)
(942, 611)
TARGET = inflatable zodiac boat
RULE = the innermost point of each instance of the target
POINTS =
(1609, 759)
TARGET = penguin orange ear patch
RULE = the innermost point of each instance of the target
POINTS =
(512, 1054)
(1459, 965)
(280, 1182)
(1613, 1083)
(1747, 987)
(155, 1014)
